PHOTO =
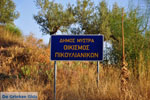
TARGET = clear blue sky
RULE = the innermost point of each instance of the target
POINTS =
(27, 9)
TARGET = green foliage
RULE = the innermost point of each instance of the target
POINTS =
(49, 73)
(52, 17)
(135, 40)
(7, 11)
(26, 71)
(104, 20)
(91, 19)
(83, 14)
(13, 30)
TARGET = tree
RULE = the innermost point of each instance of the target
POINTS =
(92, 19)
(52, 17)
(7, 11)
(134, 28)
(84, 16)
(104, 20)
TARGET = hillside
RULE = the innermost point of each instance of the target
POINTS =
(25, 67)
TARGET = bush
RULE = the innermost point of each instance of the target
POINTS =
(13, 29)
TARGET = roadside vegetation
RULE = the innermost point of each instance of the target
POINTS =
(25, 64)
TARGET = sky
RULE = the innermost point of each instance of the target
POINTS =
(27, 9)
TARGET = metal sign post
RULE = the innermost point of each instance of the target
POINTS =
(55, 77)
(97, 73)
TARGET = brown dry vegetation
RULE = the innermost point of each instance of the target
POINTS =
(25, 67)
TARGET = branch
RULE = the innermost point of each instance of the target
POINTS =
(114, 38)
(54, 30)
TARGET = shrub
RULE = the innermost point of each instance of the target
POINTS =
(13, 29)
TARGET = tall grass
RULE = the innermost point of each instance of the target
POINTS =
(78, 83)
(8, 39)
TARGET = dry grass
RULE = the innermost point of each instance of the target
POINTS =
(25, 67)
(80, 84)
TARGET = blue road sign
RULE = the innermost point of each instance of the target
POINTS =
(77, 47)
